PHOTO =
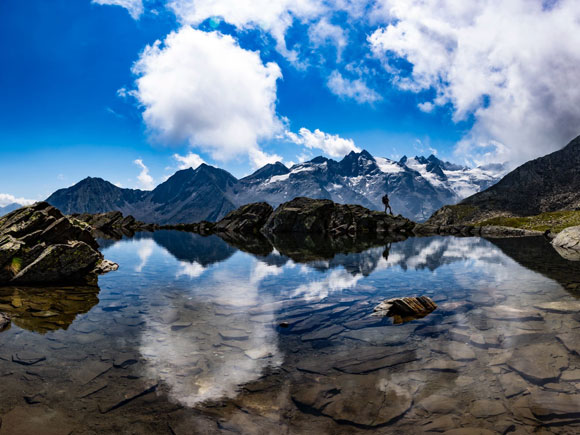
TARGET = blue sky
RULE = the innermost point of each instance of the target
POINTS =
(85, 90)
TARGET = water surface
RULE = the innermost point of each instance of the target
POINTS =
(193, 335)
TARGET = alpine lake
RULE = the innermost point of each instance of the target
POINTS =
(193, 335)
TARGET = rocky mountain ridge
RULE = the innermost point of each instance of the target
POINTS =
(417, 186)
(546, 184)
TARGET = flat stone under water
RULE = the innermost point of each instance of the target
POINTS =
(191, 335)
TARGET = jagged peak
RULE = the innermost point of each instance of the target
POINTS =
(268, 170)
(319, 159)
(365, 153)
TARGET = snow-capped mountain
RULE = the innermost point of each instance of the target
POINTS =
(416, 186)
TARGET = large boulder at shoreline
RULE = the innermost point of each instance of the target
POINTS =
(38, 245)
(325, 217)
(567, 243)
(248, 219)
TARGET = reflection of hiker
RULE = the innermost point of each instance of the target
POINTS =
(387, 206)
(386, 251)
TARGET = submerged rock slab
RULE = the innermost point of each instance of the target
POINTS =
(549, 405)
(405, 309)
(354, 400)
(539, 363)
(38, 245)
(33, 420)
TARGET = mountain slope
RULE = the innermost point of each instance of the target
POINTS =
(416, 187)
(95, 195)
(546, 184)
(8, 208)
(187, 196)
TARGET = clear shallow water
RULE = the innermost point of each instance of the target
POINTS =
(186, 338)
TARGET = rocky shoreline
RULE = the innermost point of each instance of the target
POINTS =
(38, 245)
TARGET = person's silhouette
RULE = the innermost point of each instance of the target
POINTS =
(387, 205)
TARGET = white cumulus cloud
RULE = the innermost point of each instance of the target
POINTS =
(134, 7)
(202, 87)
(145, 179)
(351, 89)
(331, 144)
(6, 198)
(190, 160)
(512, 65)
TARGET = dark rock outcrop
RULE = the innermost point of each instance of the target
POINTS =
(324, 217)
(546, 184)
(248, 219)
(113, 224)
(39, 245)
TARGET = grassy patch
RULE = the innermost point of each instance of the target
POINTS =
(464, 211)
(555, 221)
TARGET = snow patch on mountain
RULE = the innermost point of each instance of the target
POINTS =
(388, 166)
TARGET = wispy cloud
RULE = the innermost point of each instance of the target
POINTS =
(356, 90)
(145, 179)
(134, 7)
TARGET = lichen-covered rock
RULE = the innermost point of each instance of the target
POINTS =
(567, 243)
(324, 217)
(38, 245)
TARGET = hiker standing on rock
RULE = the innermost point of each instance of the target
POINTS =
(387, 206)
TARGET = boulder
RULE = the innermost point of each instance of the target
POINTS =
(567, 243)
(38, 245)
(405, 309)
(325, 217)
(248, 219)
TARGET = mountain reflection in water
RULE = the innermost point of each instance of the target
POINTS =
(198, 321)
